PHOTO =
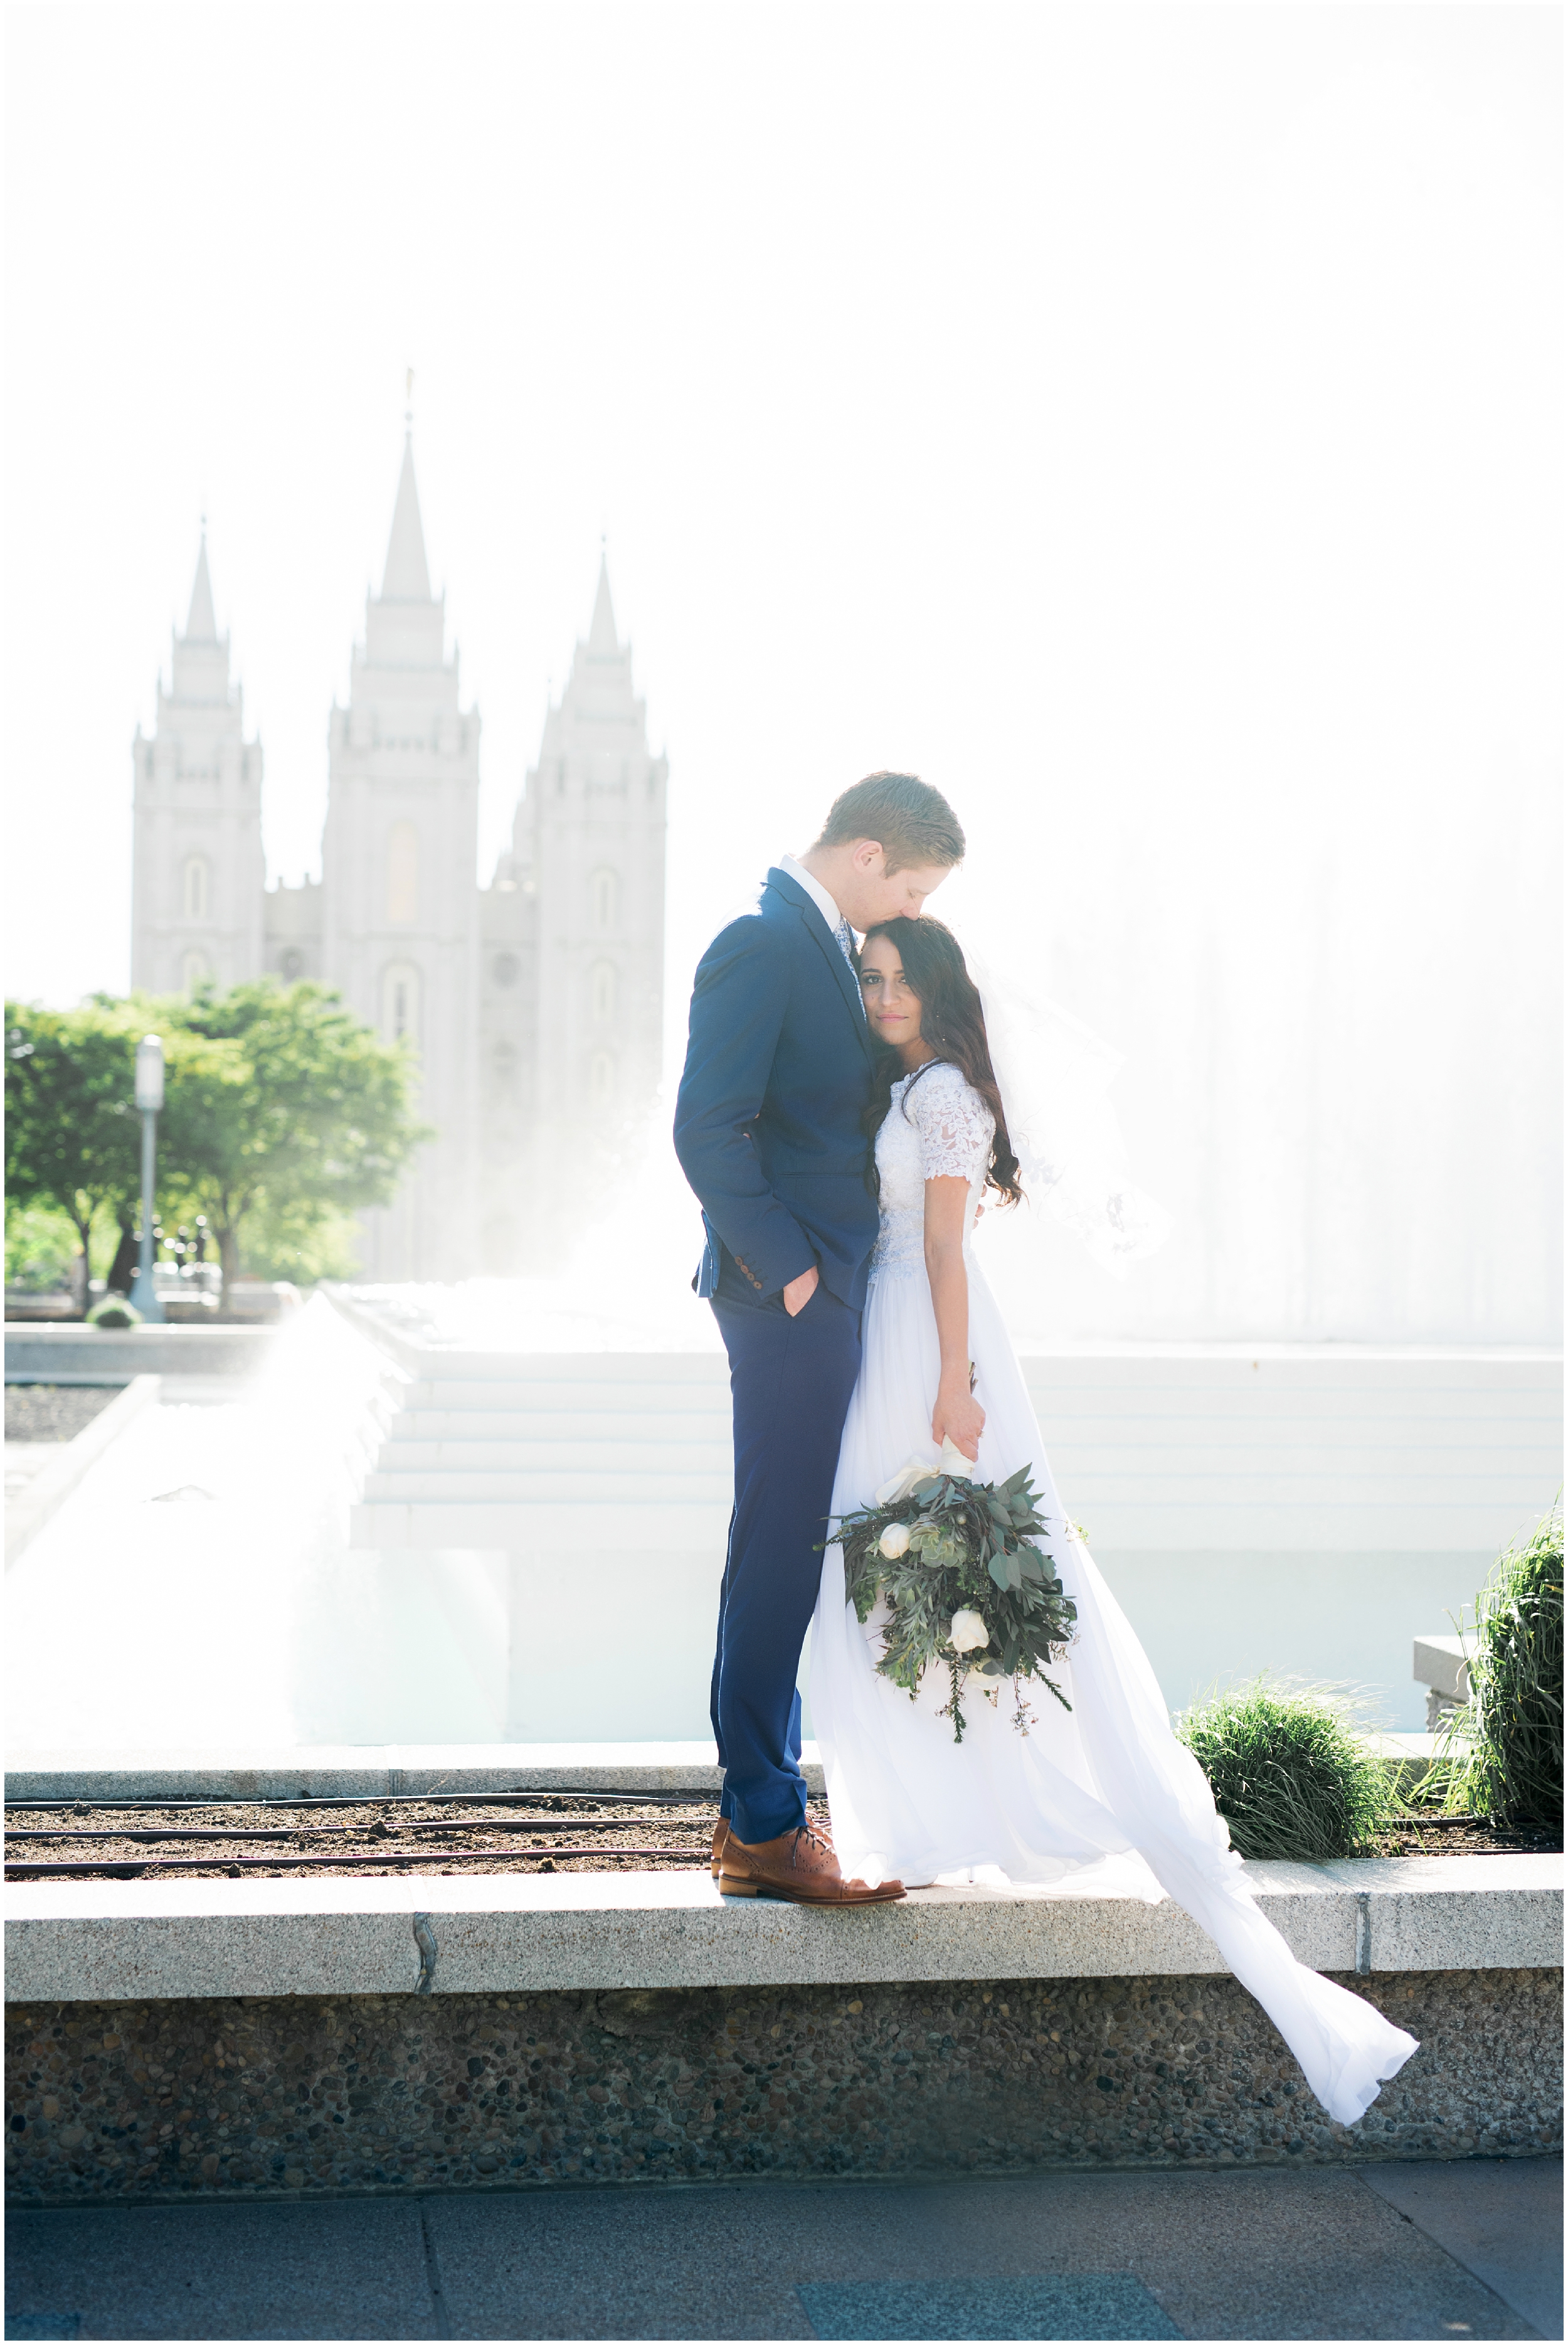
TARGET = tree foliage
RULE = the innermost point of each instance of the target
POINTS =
(73, 1136)
(281, 1109)
(279, 1099)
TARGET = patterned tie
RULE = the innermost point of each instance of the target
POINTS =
(843, 936)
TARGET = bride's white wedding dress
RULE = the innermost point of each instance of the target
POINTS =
(1105, 1785)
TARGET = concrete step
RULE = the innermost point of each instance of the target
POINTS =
(1098, 1444)
(590, 1458)
(587, 1491)
(551, 1528)
(1160, 1434)
(1219, 1483)
(1217, 1475)
(560, 1426)
(534, 1384)
(1460, 1384)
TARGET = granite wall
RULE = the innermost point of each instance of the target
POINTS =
(282, 2094)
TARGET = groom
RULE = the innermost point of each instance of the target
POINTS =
(769, 1129)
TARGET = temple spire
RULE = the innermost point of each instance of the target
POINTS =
(407, 578)
(603, 640)
(201, 626)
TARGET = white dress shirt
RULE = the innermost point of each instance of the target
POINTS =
(843, 934)
(815, 890)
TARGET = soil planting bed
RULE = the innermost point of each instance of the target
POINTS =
(539, 1831)
(1465, 1837)
(544, 1832)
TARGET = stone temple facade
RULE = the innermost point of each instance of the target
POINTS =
(535, 1004)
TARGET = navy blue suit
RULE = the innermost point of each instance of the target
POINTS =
(769, 1131)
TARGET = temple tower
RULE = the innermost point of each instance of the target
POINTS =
(197, 868)
(533, 1005)
(399, 898)
(574, 949)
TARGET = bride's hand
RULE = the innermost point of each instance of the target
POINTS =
(959, 1415)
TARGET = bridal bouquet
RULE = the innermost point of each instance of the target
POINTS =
(965, 1584)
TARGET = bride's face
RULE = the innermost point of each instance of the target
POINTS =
(891, 1008)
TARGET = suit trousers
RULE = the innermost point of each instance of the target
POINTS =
(790, 1382)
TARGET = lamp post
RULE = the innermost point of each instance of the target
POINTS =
(149, 1098)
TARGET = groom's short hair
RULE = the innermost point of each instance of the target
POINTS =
(912, 823)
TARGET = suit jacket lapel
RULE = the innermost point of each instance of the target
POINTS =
(827, 944)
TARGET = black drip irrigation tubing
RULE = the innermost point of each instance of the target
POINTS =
(131, 1870)
(293, 1831)
(77, 1805)
(434, 1833)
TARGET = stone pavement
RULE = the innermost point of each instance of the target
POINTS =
(1467, 2249)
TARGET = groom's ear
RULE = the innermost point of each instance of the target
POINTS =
(868, 855)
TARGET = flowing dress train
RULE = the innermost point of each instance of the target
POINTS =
(1105, 1785)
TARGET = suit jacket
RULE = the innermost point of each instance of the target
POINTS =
(768, 1117)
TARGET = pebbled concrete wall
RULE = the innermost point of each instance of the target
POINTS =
(262, 2096)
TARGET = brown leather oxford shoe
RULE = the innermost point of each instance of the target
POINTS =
(799, 1865)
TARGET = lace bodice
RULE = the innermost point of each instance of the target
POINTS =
(946, 1134)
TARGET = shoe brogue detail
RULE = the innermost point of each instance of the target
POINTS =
(799, 1865)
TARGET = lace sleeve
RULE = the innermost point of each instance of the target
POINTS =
(955, 1126)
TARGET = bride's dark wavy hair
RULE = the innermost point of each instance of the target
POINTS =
(953, 1021)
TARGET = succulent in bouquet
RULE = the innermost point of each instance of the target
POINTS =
(965, 1584)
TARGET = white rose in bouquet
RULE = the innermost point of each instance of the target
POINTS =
(968, 1632)
(895, 1541)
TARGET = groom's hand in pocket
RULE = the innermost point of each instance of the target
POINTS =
(799, 1292)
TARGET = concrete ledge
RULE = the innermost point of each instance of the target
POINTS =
(372, 1770)
(27, 1514)
(1443, 1663)
(107, 1942)
(109, 1355)
(1455, 1913)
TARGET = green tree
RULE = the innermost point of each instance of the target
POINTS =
(72, 1131)
(280, 1105)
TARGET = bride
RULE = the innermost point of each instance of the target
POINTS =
(1104, 1783)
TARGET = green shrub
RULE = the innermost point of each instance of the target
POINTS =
(1290, 1772)
(114, 1311)
(1507, 1743)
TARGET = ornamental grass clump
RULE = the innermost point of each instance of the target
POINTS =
(1290, 1773)
(1507, 1741)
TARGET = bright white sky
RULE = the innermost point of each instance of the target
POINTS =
(1141, 423)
